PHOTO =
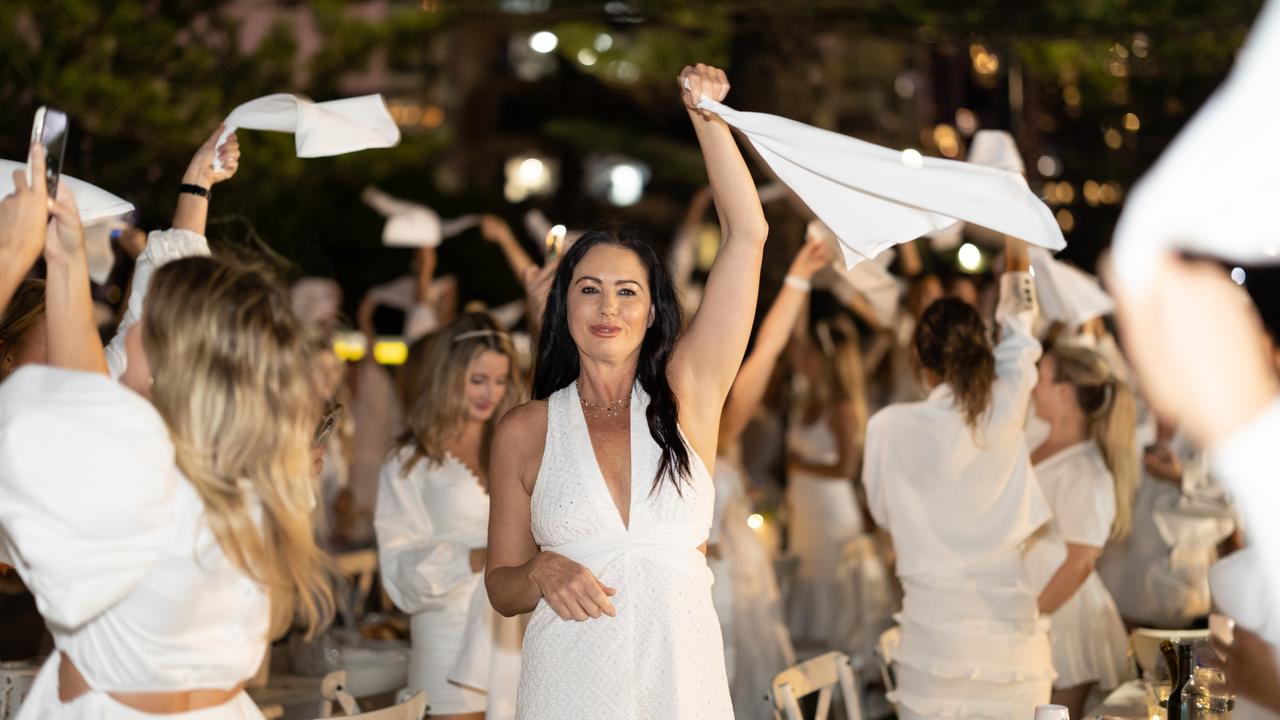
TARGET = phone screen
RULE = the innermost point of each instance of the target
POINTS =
(52, 126)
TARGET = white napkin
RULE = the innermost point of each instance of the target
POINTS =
(874, 197)
(997, 149)
(322, 129)
(1068, 294)
(98, 250)
(412, 225)
(93, 202)
(871, 279)
(538, 225)
(1214, 190)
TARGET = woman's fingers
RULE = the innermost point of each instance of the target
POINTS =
(600, 599)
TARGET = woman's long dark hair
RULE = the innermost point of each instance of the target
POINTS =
(557, 362)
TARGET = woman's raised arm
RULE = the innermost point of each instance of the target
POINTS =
(708, 355)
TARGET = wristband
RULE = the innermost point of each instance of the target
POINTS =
(194, 190)
(798, 283)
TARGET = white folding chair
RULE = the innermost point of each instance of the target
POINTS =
(886, 648)
(333, 690)
(819, 675)
(357, 568)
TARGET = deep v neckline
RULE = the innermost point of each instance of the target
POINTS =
(602, 483)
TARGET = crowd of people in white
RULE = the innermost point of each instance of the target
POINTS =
(592, 506)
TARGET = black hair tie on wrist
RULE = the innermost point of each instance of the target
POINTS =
(194, 190)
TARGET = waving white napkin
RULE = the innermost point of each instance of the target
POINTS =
(412, 225)
(870, 279)
(322, 129)
(1068, 294)
(873, 197)
(94, 202)
(1214, 190)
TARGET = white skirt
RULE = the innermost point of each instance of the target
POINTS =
(824, 515)
(436, 637)
(1089, 641)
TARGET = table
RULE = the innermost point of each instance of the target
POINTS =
(1127, 702)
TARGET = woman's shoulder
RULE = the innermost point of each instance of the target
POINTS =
(523, 423)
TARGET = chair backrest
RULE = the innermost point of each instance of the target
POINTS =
(358, 568)
(886, 648)
(819, 675)
(411, 709)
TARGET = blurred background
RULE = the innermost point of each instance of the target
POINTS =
(571, 107)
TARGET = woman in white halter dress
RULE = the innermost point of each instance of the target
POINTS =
(601, 501)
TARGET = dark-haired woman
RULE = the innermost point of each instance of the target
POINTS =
(602, 497)
(950, 479)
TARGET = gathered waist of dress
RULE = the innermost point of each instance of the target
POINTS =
(997, 590)
(674, 547)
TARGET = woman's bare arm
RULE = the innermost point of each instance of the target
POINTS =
(709, 354)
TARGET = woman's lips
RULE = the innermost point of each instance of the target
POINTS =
(606, 331)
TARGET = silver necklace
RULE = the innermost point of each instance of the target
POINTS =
(605, 409)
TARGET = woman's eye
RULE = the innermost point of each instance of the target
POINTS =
(589, 290)
(626, 291)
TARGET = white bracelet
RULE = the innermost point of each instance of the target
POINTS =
(798, 283)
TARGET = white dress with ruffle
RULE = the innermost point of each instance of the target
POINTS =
(662, 656)
(959, 504)
(1089, 641)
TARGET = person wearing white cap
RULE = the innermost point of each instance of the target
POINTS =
(950, 479)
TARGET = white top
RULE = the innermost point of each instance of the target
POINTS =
(662, 655)
(1246, 464)
(112, 540)
(427, 524)
(955, 498)
(163, 247)
(1081, 493)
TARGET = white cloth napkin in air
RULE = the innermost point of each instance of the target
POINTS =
(412, 225)
(322, 129)
(874, 197)
(1214, 190)
(1068, 294)
(93, 202)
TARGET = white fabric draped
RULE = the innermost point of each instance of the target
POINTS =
(322, 129)
(874, 197)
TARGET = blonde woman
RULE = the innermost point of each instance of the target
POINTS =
(825, 443)
(1088, 469)
(163, 523)
(432, 517)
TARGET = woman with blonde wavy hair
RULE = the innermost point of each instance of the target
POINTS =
(432, 516)
(1088, 469)
(168, 541)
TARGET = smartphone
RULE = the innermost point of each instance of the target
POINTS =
(50, 129)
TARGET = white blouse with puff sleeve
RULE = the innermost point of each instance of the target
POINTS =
(112, 540)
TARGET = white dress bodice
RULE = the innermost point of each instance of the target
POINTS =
(662, 655)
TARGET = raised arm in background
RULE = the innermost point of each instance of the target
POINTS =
(753, 378)
(23, 217)
(707, 357)
(73, 337)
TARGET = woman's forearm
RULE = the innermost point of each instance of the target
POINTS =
(1063, 585)
(734, 191)
(511, 589)
(74, 342)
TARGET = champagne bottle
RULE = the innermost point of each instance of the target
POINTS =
(1182, 695)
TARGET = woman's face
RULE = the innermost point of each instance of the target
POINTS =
(485, 384)
(609, 304)
(137, 374)
(1052, 399)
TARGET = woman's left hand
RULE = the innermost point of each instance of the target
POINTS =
(201, 171)
(64, 238)
(701, 80)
